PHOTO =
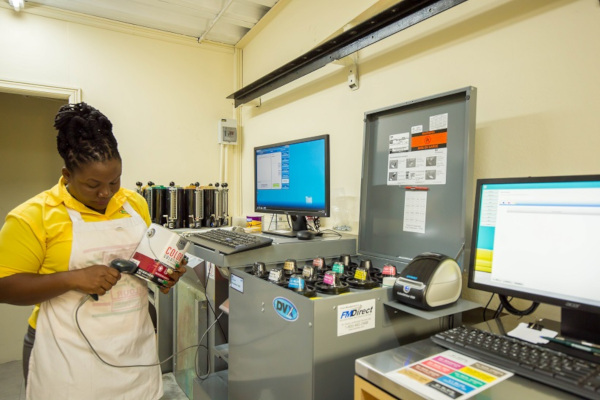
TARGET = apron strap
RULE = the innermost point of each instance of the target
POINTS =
(132, 212)
(75, 215)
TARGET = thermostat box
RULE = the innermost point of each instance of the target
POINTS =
(417, 179)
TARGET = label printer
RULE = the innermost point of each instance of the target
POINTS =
(430, 281)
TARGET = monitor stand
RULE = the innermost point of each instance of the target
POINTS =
(577, 325)
(580, 325)
(282, 232)
(298, 224)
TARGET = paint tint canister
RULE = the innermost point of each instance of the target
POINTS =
(158, 254)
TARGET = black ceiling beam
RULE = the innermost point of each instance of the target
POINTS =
(399, 17)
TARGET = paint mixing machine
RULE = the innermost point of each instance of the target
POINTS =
(296, 327)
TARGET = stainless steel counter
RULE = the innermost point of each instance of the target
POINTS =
(374, 368)
(283, 248)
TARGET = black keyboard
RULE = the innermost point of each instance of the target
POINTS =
(571, 374)
(228, 242)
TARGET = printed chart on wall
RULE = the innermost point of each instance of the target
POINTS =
(419, 157)
(448, 375)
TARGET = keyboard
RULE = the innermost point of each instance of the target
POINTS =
(228, 242)
(571, 374)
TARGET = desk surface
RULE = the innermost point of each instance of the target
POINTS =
(373, 368)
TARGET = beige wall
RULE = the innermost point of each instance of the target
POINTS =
(533, 62)
(163, 93)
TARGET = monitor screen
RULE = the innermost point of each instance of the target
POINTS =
(293, 177)
(535, 239)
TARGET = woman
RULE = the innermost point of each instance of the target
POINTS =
(54, 250)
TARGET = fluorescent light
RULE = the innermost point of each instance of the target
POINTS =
(17, 4)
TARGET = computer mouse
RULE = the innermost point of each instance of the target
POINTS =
(305, 235)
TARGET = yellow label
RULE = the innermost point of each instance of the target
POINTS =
(360, 275)
(478, 374)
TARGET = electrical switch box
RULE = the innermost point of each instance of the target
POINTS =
(227, 131)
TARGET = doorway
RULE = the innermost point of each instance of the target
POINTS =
(29, 164)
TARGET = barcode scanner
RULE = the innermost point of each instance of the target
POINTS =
(123, 266)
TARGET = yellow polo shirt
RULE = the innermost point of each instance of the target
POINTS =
(37, 235)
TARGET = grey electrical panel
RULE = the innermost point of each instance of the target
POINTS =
(416, 176)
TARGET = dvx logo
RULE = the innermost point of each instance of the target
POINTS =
(285, 308)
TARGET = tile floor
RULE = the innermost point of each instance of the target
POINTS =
(12, 388)
(11, 381)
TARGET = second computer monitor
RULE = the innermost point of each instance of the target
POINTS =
(536, 238)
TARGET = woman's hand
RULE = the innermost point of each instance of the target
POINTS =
(175, 275)
(96, 279)
(28, 289)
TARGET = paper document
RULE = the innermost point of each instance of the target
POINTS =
(448, 375)
(531, 335)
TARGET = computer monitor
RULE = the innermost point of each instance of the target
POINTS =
(536, 239)
(293, 178)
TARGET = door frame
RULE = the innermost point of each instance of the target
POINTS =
(73, 95)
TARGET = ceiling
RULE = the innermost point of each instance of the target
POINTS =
(221, 21)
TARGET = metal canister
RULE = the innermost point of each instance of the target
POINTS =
(188, 206)
(139, 187)
(156, 197)
(198, 206)
(218, 206)
(225, 220)
(209, 214)
(146, 193)
(193, 206)
(188, 212)
(175, 208)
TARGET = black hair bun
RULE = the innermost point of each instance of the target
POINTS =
(84, 134)
(80, 118)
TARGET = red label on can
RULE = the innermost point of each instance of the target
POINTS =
(389, 270)
(173, 255)
(153, 268)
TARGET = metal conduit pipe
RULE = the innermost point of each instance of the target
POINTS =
(215, 20)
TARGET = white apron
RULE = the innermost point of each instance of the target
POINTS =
(118, 325)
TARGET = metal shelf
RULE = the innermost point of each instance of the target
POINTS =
(395, 19)
(460, 306)
(222, 351)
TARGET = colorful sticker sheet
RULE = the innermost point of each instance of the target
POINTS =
(448, 375)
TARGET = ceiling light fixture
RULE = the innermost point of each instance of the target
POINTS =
(18, 5)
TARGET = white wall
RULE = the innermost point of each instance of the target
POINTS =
(534, 63)
(163, 93)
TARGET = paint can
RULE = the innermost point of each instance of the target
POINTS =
(159, 253)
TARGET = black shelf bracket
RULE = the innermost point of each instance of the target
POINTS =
(390, 21)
